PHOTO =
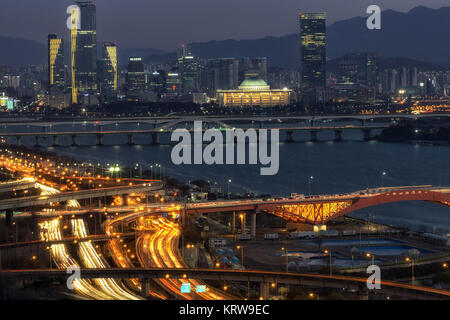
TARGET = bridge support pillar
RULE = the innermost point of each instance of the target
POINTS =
(367, 136)
(145, 288)
(99, 139)
(125, 199)
(264, 290)
(337, 135)
(36, 141)
(233, 223)
(19, 140)
(155, 138)
(313, 134)
(253, 225)
(289, 136)
(130, 140)
(242, 216)
(55, 141)
(9, 216)
(74, 141)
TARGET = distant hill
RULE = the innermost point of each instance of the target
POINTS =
(420, 34)
(17, 52)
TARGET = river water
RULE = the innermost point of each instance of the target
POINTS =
(336, 167)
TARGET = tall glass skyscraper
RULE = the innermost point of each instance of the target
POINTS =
(135, 81)
(188, 66)
(56, 72)
(84, 51)
(109, 74)
(313, 49)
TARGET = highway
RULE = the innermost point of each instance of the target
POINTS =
(157, 246)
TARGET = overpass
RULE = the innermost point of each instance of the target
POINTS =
(91, 238)
(24, 202)
(16, 185)
(264, 278)
(321, 209)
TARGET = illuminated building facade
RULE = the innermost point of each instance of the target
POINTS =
(7, 103)
(173, 83)
(188, 67)
(56, 70)
(313, 49)
(135, 76)
(110, 71)
(84, 51)
(254, 91)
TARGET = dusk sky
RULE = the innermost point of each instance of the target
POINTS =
(165, 24)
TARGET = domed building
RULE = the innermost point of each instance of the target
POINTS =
(254, 91)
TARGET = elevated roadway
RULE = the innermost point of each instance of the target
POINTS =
(25, 202)
(264, 278)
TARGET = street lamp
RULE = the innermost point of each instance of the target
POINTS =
(368, 255)
(312, 295)
(310, 179)
(329, 254)
(287, 258)
(412, 267)
(228, 192)
(382, 177)
(242, 255)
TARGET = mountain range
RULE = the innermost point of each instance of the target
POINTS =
(420, 34)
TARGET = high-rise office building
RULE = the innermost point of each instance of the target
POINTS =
(372, 70)
(84, 51)
(253, 65)
(135, 76)
(313, 49)
(188, 67)
(56, 70)
(110, 72)
(223, 74)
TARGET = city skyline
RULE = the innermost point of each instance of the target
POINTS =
(174, 27)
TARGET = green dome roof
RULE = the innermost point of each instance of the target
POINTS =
(254, 82)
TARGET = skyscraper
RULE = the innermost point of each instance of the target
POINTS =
(84, 51)
(253, 65)
(188, 67)
(313, 49)
(223, 73)
(135, 76)
(109, 74)
(56, 74)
